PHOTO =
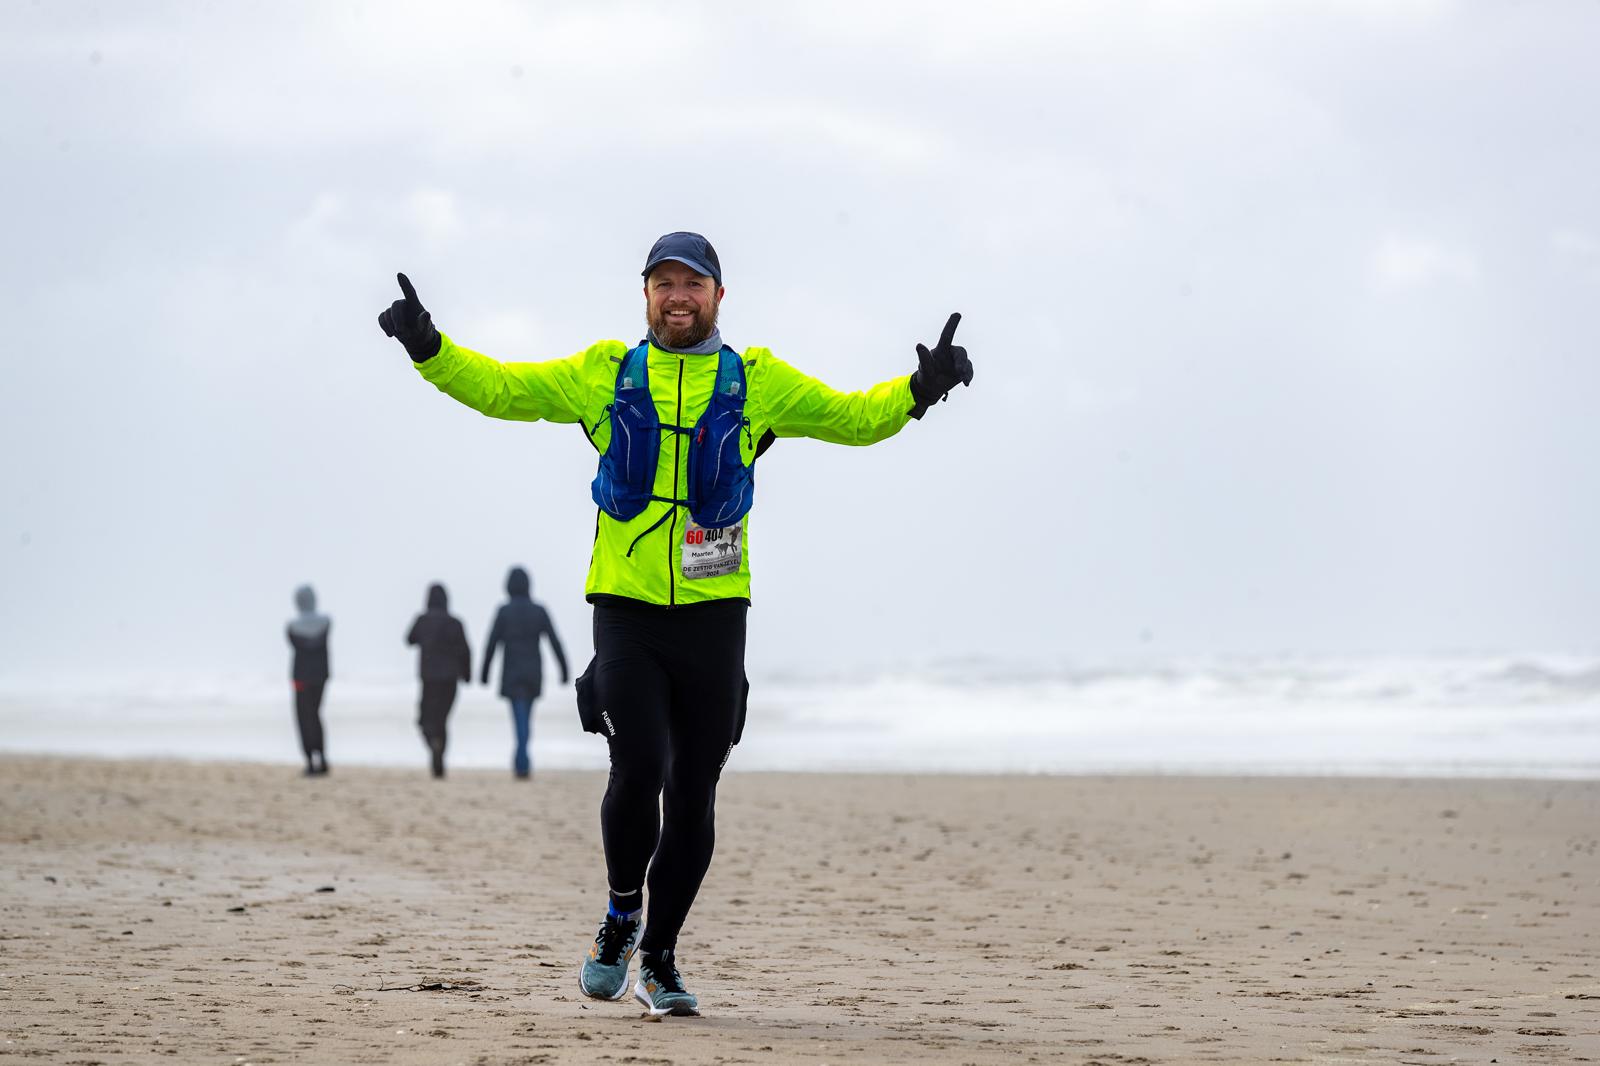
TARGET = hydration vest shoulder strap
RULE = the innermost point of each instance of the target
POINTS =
(633, 366)
(730, 374)
(635, 369)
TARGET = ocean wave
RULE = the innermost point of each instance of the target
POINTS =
(1508, 716)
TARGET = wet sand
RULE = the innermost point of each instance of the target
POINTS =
(162, 911)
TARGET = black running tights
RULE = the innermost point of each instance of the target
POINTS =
(672, 683)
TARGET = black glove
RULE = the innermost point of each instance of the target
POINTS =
(409, 323)
(940, 370)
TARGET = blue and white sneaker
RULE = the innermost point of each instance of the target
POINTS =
(660, 988)
(604, 974)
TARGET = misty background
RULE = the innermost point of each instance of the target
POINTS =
(1283, 320)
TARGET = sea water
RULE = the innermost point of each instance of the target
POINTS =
(1533, 716)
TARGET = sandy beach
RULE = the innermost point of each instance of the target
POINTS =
(232, 913)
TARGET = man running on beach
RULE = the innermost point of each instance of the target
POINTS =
(678, 421)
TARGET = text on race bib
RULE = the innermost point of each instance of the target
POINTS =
(712, 552)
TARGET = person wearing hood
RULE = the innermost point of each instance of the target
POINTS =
(443, 660)
(519, 625)
(308, 671)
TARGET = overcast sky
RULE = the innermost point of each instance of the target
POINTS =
(1283, 317)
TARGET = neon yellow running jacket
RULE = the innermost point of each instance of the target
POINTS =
(577, 389)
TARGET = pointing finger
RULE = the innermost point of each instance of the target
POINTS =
(405, 287)
(949, 333)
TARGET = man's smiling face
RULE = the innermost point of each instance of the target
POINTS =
(680, 304)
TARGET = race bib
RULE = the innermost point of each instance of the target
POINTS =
(712, 552)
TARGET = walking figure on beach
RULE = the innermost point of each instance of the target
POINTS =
(519, 625)
(443, 661)
(678, 420)
(308, 671)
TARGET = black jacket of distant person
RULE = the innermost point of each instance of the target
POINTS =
(518, 627)
(308, 636)
(442, 640)
(310, 658)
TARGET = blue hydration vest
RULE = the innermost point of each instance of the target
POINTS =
(721, 484)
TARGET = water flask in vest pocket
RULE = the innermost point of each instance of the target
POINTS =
(623, 486)
(721, 483)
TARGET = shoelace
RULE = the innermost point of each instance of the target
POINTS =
(613, 936)
(665, 973)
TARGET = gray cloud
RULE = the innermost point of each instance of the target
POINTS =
(1283, 317)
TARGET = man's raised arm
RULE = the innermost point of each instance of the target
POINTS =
(802, 406)
(552, 391)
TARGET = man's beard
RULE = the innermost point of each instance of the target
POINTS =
(687, 335)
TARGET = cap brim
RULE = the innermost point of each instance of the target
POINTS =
(697, 267)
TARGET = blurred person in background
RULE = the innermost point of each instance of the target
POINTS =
(443, 661)
(308, 670)
(519, 625)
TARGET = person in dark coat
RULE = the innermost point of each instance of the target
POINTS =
(444, 660)
(308, 670)
(519, 625)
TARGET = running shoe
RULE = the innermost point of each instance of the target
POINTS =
(604, 974)
(660, 988)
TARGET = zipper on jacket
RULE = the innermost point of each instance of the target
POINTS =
(677, 462)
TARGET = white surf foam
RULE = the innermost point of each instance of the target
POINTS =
(1504, 716)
